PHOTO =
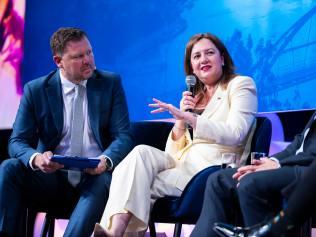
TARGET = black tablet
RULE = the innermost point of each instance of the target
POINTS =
(75, 162)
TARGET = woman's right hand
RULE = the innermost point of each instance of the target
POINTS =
(187, 102)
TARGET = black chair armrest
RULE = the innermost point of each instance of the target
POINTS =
(152, 133)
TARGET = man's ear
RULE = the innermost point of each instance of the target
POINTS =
(57, 60)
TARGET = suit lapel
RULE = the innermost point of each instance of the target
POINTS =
(309, 140)
(311, 121)
(311, 126)
(215, 102)
(55, 100)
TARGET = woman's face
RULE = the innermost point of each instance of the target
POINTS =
(206, 62)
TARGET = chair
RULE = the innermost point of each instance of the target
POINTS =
(4, 138)
(305, 230)
(56, 211)
(186, 208)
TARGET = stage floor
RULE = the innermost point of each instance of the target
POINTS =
(163, 230)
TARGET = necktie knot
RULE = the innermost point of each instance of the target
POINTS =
(79, 90)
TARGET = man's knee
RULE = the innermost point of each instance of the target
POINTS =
(248, 185)
(220, 181)
(10, 167)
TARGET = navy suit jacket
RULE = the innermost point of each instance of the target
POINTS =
(302, 160)
(305, 158)
(39, 121)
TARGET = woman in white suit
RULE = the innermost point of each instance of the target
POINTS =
(227, 104)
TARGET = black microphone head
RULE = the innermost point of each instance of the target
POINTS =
(190, 80)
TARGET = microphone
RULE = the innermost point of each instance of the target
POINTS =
(190, 80)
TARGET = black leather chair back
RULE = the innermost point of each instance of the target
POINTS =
(262, 137)
(4, 138)
(152, 133)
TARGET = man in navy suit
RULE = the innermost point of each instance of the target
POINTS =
(43, 127)
(301, 204)
(258, 189)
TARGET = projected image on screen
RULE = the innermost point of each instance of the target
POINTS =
(283, 66)
(11, 42)
(272, 41)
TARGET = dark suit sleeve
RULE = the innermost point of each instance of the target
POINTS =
(119, 126)
(24, 134)
(290, 149)
(289, 157)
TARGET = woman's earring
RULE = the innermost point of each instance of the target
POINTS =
(223, 64)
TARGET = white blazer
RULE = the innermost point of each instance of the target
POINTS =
(226, 125)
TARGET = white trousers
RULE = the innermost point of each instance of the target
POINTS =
(137, 182)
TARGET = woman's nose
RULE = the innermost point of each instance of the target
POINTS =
(204, 58)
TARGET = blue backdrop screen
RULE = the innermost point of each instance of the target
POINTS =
(272, 41)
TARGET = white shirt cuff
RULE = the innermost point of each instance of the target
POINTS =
(31, 161)
(108, 161)
(275, 160)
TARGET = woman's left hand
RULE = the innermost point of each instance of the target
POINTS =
(188, 117)
(163, 107)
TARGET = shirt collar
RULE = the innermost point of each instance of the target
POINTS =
(67, 85)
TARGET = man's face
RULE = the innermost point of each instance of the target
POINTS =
(77, 62)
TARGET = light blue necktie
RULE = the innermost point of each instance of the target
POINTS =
(76, 135)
